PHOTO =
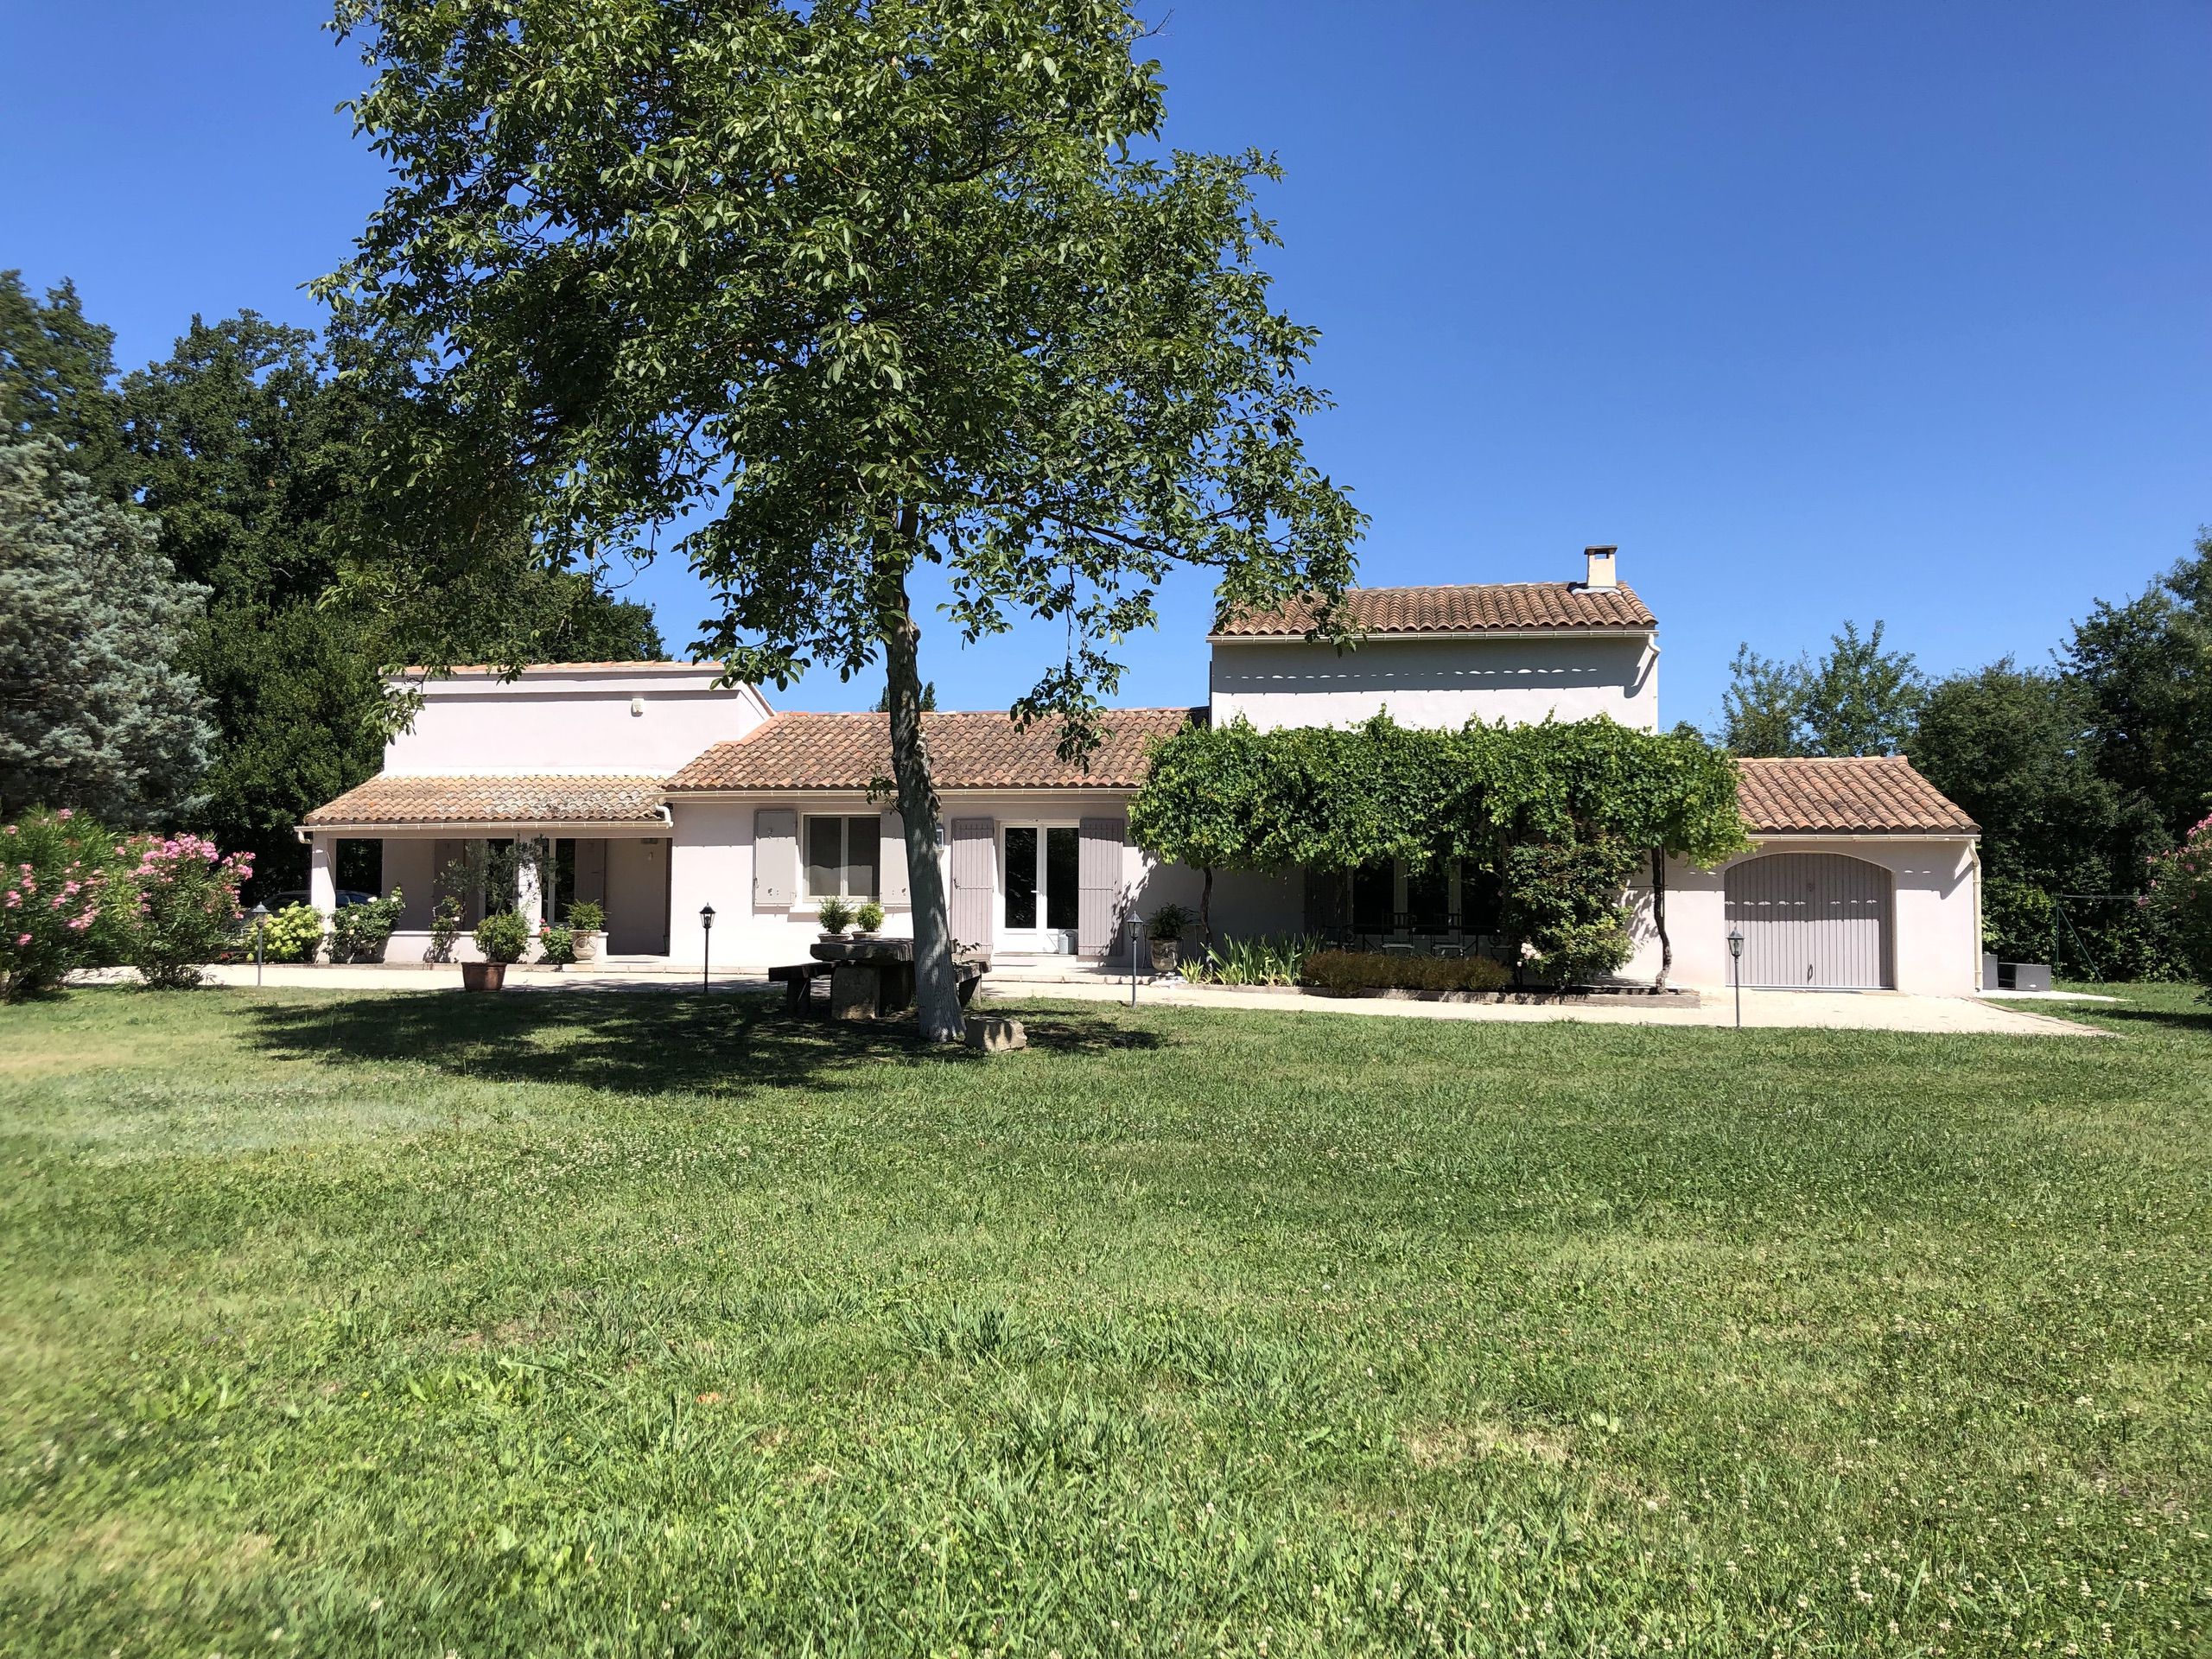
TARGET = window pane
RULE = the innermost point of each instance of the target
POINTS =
(1063, 892)
(863, 847)
(1373, 898)
(825, 854)
(1428, 896)
(1021, 877)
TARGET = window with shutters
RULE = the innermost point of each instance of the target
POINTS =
(842, 856)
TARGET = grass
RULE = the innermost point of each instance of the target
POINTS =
(419, 1324)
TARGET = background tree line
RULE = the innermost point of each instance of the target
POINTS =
(177, 644)
(2079, 773)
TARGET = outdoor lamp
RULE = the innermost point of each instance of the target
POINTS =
(259, 916)
(705, 941)
(1736, 972)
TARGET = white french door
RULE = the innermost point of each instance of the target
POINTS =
(1039, 892)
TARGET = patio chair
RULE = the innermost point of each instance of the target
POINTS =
(1398, 948)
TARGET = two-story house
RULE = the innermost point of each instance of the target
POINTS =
(661, 795)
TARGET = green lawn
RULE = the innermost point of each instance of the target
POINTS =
(417, 1325)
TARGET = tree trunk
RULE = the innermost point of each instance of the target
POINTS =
(1659, 917)
(1205, 908)
(936, 989)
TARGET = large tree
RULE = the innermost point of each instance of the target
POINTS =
(93, 713)
(854, 287)
(1855, 698)
(249, 443)
(2146, 669)
(57, 370)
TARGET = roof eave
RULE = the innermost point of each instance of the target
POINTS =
(1613, 630)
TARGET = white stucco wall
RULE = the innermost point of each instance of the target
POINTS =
(713, 863)
(1935, 929)
(1438, 683)
(573, 721)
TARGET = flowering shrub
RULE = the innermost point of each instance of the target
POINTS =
(53, 876)
(187, 906)
(292, 934)
(2180, 891)
(361, 932)
(557, 945)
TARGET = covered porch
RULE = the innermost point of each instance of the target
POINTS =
(540, 845)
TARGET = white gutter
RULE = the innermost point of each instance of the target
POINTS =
(1436, 633)
(502, 827)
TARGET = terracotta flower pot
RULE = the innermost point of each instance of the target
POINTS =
(483, 975)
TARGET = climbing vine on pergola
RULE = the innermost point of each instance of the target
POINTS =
(1234, 797)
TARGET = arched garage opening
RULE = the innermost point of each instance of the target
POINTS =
(1812, 921)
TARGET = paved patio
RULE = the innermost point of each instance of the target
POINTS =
(1056, 981)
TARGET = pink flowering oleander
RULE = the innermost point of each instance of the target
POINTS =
(22, 939)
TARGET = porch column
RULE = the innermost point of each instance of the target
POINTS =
(322, 882)
(530, 892)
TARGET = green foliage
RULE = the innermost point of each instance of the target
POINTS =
(503, 936)
(557, 945)
(837, 915)
(926, 702)
(1604, 794)
(868, 916)
(186, 908)
(445, 924)
(2146, 668)
(1856, 699)
(1169, 922)
(586, 917)
(250, 445)
(361, 932)
(55, 367)
(293, 934)
(1562, 902)
(94, 714)
(56, 876)
(1235, 798)
(1378, 970)
(1263, 959)
(2181, 893)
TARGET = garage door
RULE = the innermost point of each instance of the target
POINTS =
(1812, 921)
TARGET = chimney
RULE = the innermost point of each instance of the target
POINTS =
(1600, 560)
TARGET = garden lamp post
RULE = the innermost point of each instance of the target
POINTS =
(705, 941)
(1736, 970)
(259, 916)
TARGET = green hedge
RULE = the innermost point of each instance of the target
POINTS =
(1375, 970)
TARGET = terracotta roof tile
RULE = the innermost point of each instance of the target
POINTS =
(497, 800)
(967, 751)
(1475, 608)
(1869, 795)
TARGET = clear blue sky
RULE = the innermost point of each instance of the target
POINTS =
(1818, 311)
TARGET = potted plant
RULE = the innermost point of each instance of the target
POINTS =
(1164, 931)
(836, 917)
(867, 920)
(501, 940)
(587, 921)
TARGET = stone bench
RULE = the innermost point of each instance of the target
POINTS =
(867, 984)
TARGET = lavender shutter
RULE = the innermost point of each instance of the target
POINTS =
(775, 858)
(975, 881)
(1098, 912)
